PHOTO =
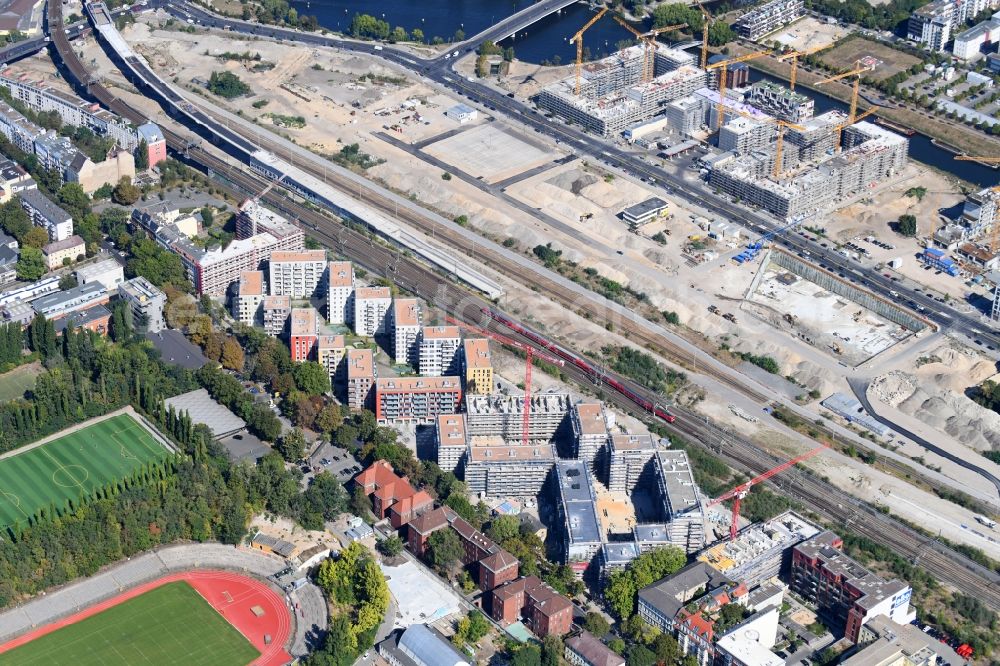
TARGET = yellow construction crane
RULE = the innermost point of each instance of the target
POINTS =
(578, 38)
(782, 125)
(648, 40)
(704, 33)
(795, 55)
(856, 73)
(840, 128)
(723, 67)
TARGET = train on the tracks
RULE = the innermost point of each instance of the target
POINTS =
(594, 372)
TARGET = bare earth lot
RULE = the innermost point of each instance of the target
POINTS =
(890, 61)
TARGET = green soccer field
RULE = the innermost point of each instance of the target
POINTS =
(171, 624)
(73, 466)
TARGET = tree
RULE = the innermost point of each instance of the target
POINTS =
(207, 217)
(311, 378)
(595, 623)
(417, 35)
(666, 648)
(227, 85)
(142, 156)
(445, 549)
(67, 281)
(479, 626)
(398, 34)
(292, 446)
(907, 225)
(504, 528)
(368, 27)
(73, 200)
(329, 419)
(552, 650)
(639, 655)
(623, 584)
(36, 238)
(232, 354)
(391, 547)
(125, 193)
(528, 655)
(30, 264)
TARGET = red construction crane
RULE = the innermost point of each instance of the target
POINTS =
(530, 353)
(739, 492)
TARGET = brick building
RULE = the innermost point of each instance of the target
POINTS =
(392, 496)
(544, 610)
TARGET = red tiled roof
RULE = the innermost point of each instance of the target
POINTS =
(498, 561)
(430, 521)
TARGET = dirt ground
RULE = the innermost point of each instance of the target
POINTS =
(888, 62)
(809, 33)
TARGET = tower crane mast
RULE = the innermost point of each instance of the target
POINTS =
(739, 492)
(530, 354)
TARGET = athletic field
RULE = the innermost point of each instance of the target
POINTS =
(170, 624)
(71, 467)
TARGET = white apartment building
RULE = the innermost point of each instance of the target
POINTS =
(406, 331)
(249, 300)
(330, 353)
(108, 272)
(934, 24)
(439, 347)
(297, 274)
(276, 311)
(340, 292)
(371, 310)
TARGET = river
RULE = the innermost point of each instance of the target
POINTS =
(548, 41)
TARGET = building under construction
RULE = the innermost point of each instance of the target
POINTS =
(780, 102)
(613, 96)
(870, 155)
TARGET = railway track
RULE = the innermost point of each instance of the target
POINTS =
(950, 567)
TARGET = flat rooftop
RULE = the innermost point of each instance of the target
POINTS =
(675, 473)
(477, 353)
(303, 321)
(204, 410)
(406, 312)
(759, 541)
(288, 256)
(417, 384)
(370, 293)
(514, 454)
(647, 207)
(252, 283)
(624, 442)
(451, 430)
(360, 364)
(590, 418)
(341, 274)
(441, 333)
(579, 502)
(552, 403)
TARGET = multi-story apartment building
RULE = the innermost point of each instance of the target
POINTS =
(742, 135)
(477, 365)
(762, 551)
(361, 373)
(934, 24)
(156, 143)
(846, 594)
(439, 350)
(581, 536)
(613, 96)
(297, 274)
(450, 442)
(776, 100)
(213, 271)
(13, 179)
(340, 292)
(767, 18)
(58, 224)
(275, 311)
(303, 333)
(508, 471)
(146, 302)
(544, 610)
(64, 252)
(630, 459)
(406, 331)
(249, 299)
(253, 219)
(682, 508)
(589, 422)
(416, 399)
(371, 310)
(19, 130)
(331, 350)
(41, 97)
(660, 603)
(498, 415)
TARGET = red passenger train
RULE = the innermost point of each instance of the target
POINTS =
(596, 373)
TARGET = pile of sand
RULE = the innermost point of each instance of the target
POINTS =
(942, 409)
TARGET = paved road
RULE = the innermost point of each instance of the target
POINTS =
(310, 621)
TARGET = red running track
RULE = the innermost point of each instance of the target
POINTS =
(232, 595)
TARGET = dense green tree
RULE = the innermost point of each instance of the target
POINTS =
(74, 200)
(391, 547)
(227, 85)
(445, 550)
(291, 445)
(552, 650)
(527, 655)
(906, 225)
(30, 264)
(155, 263)
(36, 238)
(623, 584)
(125, 193)
(142, 156)
(595, 623)
(504, 528)
(14, 220)
(311, 378)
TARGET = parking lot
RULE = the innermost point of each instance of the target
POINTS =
(338, 462)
